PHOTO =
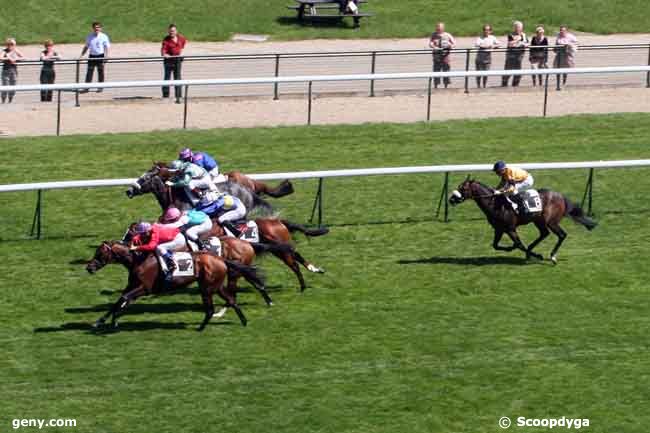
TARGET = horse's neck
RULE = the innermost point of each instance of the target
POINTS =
(161, 191)
(485, 200)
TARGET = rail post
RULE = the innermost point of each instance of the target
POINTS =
(276, 92)
(58, 113)
(309, 104)
(443, 197)
(36, 222)
(318, 203)
(588, 195)
(429, 100)
(372, 71)
(545, 94)
(185, 108)
(647, 76)
(467, 53)
(77, 75)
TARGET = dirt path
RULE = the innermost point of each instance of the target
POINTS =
(27, 117)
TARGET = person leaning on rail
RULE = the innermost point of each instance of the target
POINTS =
(10, 57)
(441, 43)
(485, 44)
(48, 56)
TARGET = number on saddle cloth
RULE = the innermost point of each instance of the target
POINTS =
(184, 265)
(532, 200)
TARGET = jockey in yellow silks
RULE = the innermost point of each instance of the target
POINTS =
(514, 180)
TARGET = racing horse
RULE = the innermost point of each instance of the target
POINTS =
(236, 250)
(272, 230)
(504, 219)
(238, 185)
(145, 278)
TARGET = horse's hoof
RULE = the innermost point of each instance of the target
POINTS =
(554, 260)
(99, 323)
(219, 314)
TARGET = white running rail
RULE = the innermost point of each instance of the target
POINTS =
(466, 168)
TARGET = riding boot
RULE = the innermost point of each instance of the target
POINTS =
(522, 210)
(230, 226)
(171, 267)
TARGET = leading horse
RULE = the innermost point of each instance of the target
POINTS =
(505, 220)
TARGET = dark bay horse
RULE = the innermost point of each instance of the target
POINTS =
(145, 278)
(504, 219)
(153, 181)
(272, 230)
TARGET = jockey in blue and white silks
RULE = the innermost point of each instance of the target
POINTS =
(193, 178)
(225, 207)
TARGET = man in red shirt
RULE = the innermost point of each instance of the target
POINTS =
(171, 50)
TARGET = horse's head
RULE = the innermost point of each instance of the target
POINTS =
(468, 189)
(108, 252)
(149, 180)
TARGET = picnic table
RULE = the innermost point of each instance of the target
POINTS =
(309, 9)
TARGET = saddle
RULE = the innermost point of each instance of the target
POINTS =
(531, 201)
(248, 229)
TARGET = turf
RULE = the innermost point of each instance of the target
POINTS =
(418, 325)
(69, 20)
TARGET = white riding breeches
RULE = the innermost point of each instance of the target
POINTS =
(204, 183)
(236, 214)
(524, 185)
(175, 244)
(194, 232)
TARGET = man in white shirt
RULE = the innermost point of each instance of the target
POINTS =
(442, 43)
(97, 45)
(485, 44)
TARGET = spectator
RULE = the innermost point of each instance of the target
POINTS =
(172, 49)
(485, 44)
(48, 56)
(350, 7)
(565, 51)
(97, 45)
(538, 53)
(441, 42)
(517, 43)
(10, 57)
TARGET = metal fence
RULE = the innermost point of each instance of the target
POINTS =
(36, 228)
(314, 63)
(310, 80)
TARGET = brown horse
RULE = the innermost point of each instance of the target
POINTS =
(284, 188)
(504, 219)
(235, 250)
(145, 278)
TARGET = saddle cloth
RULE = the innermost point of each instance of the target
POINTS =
(184, 265)
(249, 231)
(532, 200)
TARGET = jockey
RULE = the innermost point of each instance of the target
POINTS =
(195, 224)
(191, 177)
(203, 160)
(514, 180)
(162, 238)
(228, 207)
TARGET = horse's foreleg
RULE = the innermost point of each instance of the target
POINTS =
(561, 236)
(543, 233)
(119, 306)
(498, 234)
(518, 244)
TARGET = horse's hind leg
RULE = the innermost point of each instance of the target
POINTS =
(310, 267)
(289, 260)
(543, 233)
(231, 302)
(561, 236)
(208, 305)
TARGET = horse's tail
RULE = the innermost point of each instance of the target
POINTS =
(273, 248)
(577, 215)
(285, 188)
(250, 273)
(293, 227)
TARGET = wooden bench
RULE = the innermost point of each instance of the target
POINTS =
(308, 9)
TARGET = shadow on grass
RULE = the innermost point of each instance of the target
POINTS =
(143, 308)
(469, 261)
(124, 326)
